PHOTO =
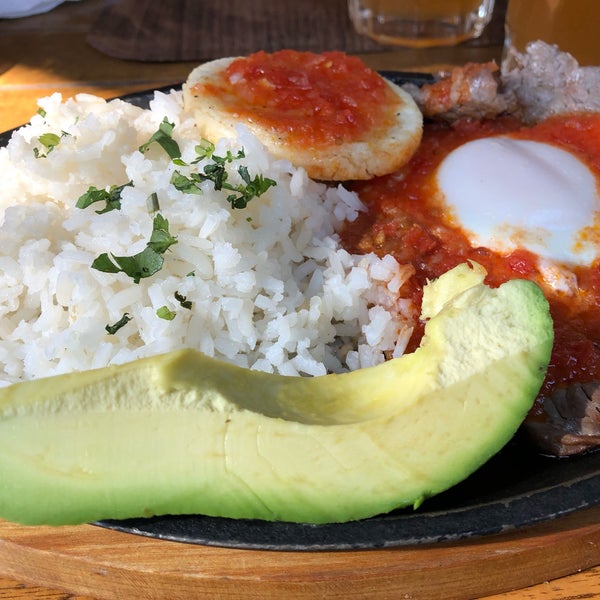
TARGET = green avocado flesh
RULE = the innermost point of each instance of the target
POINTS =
(181, 433)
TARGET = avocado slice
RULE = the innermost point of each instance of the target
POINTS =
(181, 433)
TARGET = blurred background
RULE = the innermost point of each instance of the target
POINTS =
(111, 47)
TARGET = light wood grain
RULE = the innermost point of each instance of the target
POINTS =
(554, 561)
(111, 565)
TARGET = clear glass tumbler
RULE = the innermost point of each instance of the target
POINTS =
(421, 23)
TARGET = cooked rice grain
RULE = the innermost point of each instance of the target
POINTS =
(270, 286)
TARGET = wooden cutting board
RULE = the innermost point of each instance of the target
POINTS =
(110, 565)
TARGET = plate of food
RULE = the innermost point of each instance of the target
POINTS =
(256, 328)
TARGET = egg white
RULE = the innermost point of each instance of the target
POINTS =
(510, 193)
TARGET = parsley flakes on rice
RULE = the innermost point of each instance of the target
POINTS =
(264, 284)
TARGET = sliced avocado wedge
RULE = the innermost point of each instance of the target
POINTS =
(181, 433)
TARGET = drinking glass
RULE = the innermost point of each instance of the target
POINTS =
(420, 23)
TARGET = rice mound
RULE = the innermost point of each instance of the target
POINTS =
(267, 287)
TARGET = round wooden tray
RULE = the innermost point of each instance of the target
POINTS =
(113, 565)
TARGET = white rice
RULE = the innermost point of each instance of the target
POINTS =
(270, 286)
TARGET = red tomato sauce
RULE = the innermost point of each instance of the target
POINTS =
(405, 220)
(315, 99)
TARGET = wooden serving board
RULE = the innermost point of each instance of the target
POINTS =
(106, 564)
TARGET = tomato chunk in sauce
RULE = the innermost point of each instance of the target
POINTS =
(405, 220)
(316, 99)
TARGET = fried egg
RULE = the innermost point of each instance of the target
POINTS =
(507, 193)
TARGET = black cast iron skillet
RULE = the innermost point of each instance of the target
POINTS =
(516, 488)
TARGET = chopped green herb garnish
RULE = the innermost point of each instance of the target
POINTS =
(161, 240)
(112, 329)
(216, 173)
(41, 112)
(253, 188)
(153, 204)
(164, 313)
(183, 301)
(112, 197)
(164, 138)
(187, 185)
(139, 266)
(147, 262)
(204, 149)
(49, 141)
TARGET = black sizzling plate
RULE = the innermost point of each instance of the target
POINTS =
(516, 488)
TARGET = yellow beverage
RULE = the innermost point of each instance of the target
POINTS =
(419, 10)
(571, 24)
(420, 23)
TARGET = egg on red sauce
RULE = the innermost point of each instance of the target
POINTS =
(523, 201)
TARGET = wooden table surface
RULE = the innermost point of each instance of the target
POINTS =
(48, 53)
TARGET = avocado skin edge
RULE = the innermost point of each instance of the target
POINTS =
(182, 433)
